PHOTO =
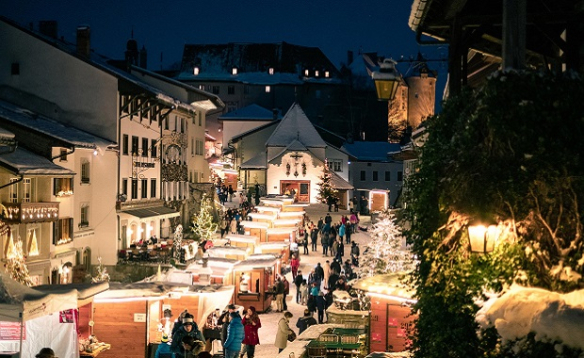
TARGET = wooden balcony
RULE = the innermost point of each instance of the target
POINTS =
(21, 213)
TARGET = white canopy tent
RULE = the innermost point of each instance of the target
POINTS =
(31, 319)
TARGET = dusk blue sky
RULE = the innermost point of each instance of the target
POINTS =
(164, 27)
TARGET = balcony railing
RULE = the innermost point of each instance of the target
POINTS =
(17, 213)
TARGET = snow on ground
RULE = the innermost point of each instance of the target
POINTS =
(551, 315)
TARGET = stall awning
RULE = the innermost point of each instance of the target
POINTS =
(159, 212)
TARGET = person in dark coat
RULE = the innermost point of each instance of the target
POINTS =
(320, 307)
(235, 336)
(336, 266)
(223, 321)
(298, 281)
(319, 271)
(189, 328)
(306, 321)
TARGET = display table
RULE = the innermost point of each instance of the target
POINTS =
(102, 347)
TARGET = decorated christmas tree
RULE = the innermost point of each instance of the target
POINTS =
(203, 225)
(384, 253)
(325, 190)
(102, 275)
(15, 263)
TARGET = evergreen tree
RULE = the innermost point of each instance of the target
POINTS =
(325, 189)
(203, 225)
(384, 254)
(16, 265)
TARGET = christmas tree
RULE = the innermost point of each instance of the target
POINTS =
(325, 190)
(203, 225)
(102, 275)
(15, 263)
(384, 253)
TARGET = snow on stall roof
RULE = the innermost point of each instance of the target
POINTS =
(47, 126)
(84, 290)
(153, 289)
(12, 292)
(295, 125)
(387, 284)
(219, 251)
(256, 261)
(551, 315)
(21, 161)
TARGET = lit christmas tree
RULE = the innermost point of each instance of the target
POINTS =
(325, 190)
(102, 275)
(203, 225)
(15, 263)
(384, 253)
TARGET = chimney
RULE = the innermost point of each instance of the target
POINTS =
(83, 41)
(143, 57)
(349, 57)
(48, 28)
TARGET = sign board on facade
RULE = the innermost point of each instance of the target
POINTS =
(139, 317)
(10, 331)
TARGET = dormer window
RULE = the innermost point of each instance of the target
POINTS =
(234, 71)
(271, 70)
(268, 89)
(327, 74)
(316, 73)
(306, 73)
(196, 71)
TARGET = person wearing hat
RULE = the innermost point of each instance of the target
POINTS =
(224, 322)
(251, 325)
(189, 328)
(46, 353)
(163, 347)
(306, 321)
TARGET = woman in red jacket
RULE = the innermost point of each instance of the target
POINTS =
(294, 264)
(251, 324)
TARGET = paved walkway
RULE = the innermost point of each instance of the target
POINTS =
(269, 321)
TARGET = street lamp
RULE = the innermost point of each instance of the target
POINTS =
(387, 80)
(482, 238)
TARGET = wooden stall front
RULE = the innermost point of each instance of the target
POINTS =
(280, 249)
(254, 280)
(263, 209)
(254, 228)
(294, 222)
(267, 217)
(392, 320)
(126, 316)
(281, 234)
(299, 215)
(294, 207)
(246, 241)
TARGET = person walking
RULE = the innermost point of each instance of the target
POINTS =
(314, 238)
(305, 243)
(251, 324)
(283, 331)
(235, 336)
(279, 295)
(320, 307)
(294, 265)
(286, 292)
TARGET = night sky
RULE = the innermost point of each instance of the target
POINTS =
(164, 27)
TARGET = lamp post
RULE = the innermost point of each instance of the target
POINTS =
(482, 238)
(387, 80)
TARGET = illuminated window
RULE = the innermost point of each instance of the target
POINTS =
(268, 89)
(196, 71)
(62, 231)
(234, 71)
(26, 190)
(271, 71)
(13, 194)
(202, 87)
(327, 74)
(316, 73)
(306, 73)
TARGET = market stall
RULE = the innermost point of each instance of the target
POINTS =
(254, 280)
(31, 319)
(220, 269)
(268, 217)
(392, 318)
(229, 252)
(281, 234)
(89, 345)
(294, 207)
(255, 228)
(246, 241)
(280, 249)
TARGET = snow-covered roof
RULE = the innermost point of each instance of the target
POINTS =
(84, 290)
(339, 183)
(253, 112)
(256, 262)
(371, 151)
(39, 123)
(551, 315)
(295, 126)
(23, 162)
(257, 162)
(222, 251)
(387, 284)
